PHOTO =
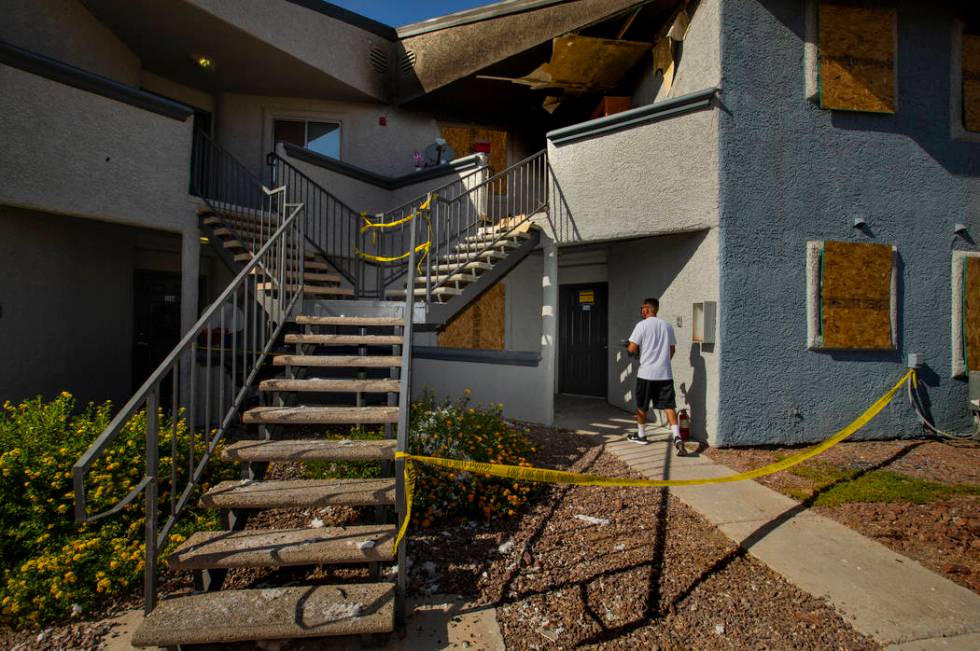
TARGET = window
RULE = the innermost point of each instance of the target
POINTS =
(321, 137)
(857, 58)
(851, 296)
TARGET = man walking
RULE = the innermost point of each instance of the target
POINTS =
(654, 340)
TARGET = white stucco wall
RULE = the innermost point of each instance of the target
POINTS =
(177, 91)
(656, 178)
(697, 59)
(244, 125)
(98, 157)
(679, 270)
(339, 49)
(67, 299)
(66, 31)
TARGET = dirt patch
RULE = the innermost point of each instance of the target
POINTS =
(620, 569)
(943, 535)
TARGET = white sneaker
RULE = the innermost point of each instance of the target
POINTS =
(636, 438)
(679, 447)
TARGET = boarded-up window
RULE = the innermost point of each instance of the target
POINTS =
(965, 315)
(471, 140)
(480, 325)
(971, 82)
(856, 296)
(857, 58)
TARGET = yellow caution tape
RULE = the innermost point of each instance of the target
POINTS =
(580, 479)
(423, 248)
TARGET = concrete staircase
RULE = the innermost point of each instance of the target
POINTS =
(237, 234)
(471, 257)
(345, 372)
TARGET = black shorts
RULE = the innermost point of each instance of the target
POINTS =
(660, 392)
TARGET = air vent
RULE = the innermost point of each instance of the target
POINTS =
(379, 60)
(408, 60)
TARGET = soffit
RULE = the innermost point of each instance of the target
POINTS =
(169, 35)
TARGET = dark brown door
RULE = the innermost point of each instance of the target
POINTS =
(583, 339)
(157, 321)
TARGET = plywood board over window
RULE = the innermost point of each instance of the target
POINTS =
(851, 302)
(472, 140)
(480, 325)
(857, 58)
(966, 312)
(971, 82)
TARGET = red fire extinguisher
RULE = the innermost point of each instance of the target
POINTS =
(684, 423)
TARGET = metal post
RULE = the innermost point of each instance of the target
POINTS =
(405, 392)
(150, 525)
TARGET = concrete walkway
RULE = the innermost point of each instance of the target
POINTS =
(882, 594)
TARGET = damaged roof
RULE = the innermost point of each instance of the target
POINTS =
(437, 52)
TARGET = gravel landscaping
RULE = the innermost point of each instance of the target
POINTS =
(943, 534)
(620, 569)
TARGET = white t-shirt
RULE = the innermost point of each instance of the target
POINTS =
(654, 337)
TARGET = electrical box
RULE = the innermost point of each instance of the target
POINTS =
(704, 322)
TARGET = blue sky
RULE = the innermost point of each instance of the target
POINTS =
(404, 12)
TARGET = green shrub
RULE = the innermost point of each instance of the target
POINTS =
(455, 430)
(52, 567)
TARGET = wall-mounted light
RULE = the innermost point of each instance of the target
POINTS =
(204, 63)
(959, 229)
(859, 223)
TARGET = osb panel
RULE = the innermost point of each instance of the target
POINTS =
(855, 295)
(480, 325)
(971, 312)
(461, 139)
(971, 82)
(857, 58)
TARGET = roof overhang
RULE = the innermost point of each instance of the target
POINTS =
(257, 47)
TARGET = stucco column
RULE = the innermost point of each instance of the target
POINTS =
(190, 262)
(549, 323)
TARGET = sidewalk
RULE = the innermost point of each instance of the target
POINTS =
(882, 594)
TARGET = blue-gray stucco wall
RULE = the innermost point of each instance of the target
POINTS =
(791, 172)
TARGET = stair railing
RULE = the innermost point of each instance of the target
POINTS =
(496, 208)
(336, 231)
(231, 190)
(192, 400)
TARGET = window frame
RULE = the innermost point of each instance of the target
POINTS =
(957, 119)
(271, 114)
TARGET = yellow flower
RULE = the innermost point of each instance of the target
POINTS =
(65, 394)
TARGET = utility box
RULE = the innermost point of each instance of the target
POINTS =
(704, 322)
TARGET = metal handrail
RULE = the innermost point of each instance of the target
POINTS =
(249, 315)
(230, 189)
(334, 228)
(521, 189)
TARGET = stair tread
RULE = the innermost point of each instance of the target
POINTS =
(318, 415)
(474, 264)
(328, 385)
(454, 278)
(311, 449)
(420, 291)
(345, 340)
(479, 246)
(307, 289)
(299, 493)
(271, 613)
(282, 547)
(358, 361)
(350, 320)
(309, 276)
(460, 257)
(491, 236)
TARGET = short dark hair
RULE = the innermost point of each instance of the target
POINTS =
(653, 303)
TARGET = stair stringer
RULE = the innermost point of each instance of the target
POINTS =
(440, 313)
